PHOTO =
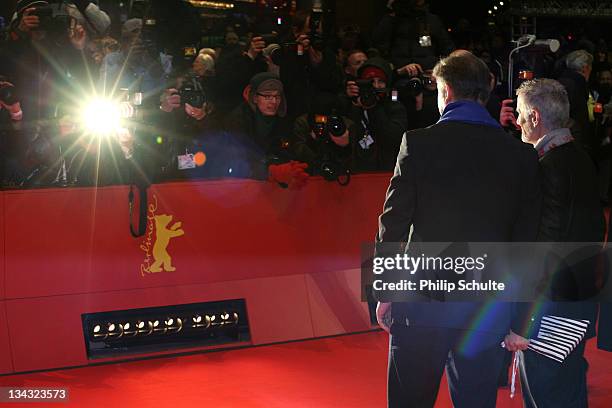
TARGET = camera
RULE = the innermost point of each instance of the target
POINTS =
(56, 22)
(324, 126)
(192, 93)
(276, 51)
(7, 93)
(269, 38)
(367, 93)
(414, 86)
(333, 171)
(316, 40)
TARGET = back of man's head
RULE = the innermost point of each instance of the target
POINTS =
(577, 60)
(467, 75)
(549, 97)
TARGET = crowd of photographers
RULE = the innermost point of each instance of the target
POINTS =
(266, 105)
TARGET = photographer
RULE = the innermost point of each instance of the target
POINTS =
(380, 121)
(354, 60)
(189, 119)
(419, 95)
(307, 65)
(323, 140)
(575, 79)
(234, 71)
(411, 37)
(139, 63)
(257, 136)
(50, 66)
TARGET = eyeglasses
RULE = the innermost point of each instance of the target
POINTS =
(269, 98)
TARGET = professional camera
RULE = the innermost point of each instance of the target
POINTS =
(277, 50)
(329, 167)
(269, 38)
(367, 93)
(415, 85)
(324, 126)
(55, 21)
(334, 171)
(192, 92)
(7, 93)
(316, 39)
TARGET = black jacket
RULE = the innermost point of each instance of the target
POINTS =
(578, 93)
(386, 123)
(247, 151)
(461, 182)
(571, 212)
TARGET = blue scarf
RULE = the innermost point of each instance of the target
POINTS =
(469, 112)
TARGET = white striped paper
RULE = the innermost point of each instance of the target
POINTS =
(558, 337)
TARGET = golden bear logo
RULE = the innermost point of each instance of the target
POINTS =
(162, 261)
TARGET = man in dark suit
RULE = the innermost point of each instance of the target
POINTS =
(571, 212)
(461, 180)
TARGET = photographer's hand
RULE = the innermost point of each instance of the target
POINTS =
(28, 21)
(342, 140)
(352, 91)
(78, 37)
(196, 113)
(170, 100)
(418, 102)
(256, 46)
(304, 41)
(506, 115)
(410, 69)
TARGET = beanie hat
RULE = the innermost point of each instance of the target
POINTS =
(373, 72)
(262, 82)
(131, 25)
(383, 69)
(22, 5)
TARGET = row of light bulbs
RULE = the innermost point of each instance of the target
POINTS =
(170, 325)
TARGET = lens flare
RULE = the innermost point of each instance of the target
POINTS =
(199, 159)
(101, 117)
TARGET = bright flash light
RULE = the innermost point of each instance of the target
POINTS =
(102, 116)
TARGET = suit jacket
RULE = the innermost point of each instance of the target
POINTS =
(458, 181)
(571, 212)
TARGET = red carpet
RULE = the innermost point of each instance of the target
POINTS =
(339, 372)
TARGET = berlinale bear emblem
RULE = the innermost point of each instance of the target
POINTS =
(162, 261)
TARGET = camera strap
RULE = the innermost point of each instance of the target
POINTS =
(366, 141)
(142, 210)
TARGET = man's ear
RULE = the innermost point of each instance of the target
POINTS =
(447, 93)
(535, 117)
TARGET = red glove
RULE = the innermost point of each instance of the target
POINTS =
(293, 174)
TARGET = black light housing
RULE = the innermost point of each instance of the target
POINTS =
(149, 330)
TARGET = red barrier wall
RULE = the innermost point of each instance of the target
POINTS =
(293, 255)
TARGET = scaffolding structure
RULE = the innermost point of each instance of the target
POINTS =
(562, 8)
